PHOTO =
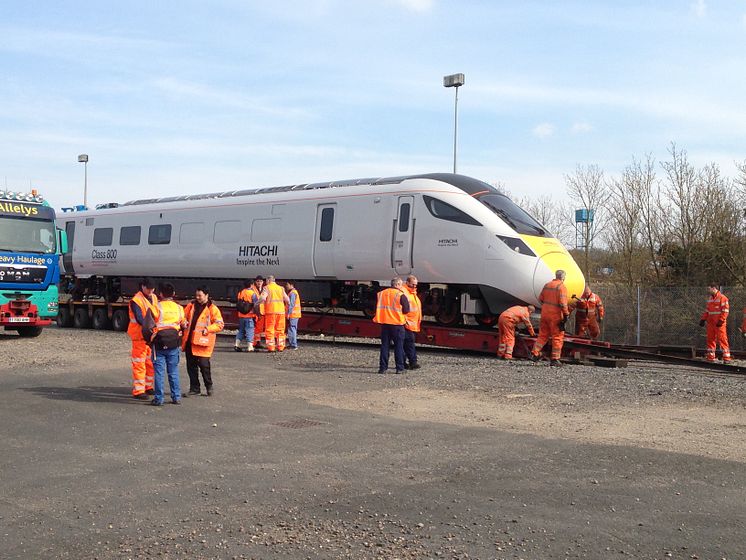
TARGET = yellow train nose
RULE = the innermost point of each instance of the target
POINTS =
(554, 257)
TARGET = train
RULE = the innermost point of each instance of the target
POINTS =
(474, 251)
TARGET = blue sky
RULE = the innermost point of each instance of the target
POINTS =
(183, 97)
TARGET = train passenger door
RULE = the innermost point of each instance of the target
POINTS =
(324, 241)
(402, 240)
(67, 258)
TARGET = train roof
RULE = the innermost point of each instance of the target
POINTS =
(467, 184)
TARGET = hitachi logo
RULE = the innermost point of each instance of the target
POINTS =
(257, 251)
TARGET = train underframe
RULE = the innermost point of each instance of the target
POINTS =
(447, 304)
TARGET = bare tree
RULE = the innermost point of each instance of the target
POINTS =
(587, 189)
(554, 215)
(624, 225)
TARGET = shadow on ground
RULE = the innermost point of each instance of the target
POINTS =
(121, 395)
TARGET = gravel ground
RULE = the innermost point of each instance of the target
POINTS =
(311, 454)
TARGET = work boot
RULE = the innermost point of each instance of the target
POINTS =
(237, 347)
(150, 392)
(555, 363)
(250, 347)
(414, 366)
(533, 357)
(140, 397)
(209, 392)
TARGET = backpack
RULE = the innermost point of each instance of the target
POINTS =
(244, 306)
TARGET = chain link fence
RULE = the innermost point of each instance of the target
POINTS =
(664, 316)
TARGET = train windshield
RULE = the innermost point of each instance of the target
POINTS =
(25, 235)
(513, 215)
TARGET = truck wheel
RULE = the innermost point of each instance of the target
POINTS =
(120, 320)
(100, 319)
(64, 318)
(29, 332)
(81, 319)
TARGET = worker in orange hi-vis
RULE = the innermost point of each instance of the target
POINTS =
(506, 324)
(589, 312)
(275, 299)
(743, 325)
(554, 313)
(143, 302)
(716, 319)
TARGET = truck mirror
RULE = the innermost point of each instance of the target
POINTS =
(62, 240)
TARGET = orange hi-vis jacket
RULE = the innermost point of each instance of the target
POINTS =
(247, 294)
(388, 308)
(717, 309)
(414, 317)
(275, 302)
(587, 306)
(134, 330)
(210, 320)
(295, 313)
(553, 298)
(517, 314)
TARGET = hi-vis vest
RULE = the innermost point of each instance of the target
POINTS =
(145, 304)
(553, 298)
(388, 308)
(295, 311)
(275, 303)
(247, 294)
(717, 309)
(414, 317)
(170, 317)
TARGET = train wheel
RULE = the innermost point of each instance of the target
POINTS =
(29, 332)
(120, 320)
(449, 313)
(100, 319)
(64, 318)
(81, 319)
(486, 320)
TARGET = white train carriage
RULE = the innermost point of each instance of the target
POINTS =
(473, 250)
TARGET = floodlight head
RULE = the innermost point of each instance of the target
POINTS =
(453, 80)
(83, 158)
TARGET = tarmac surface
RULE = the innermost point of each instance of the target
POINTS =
(260, 470)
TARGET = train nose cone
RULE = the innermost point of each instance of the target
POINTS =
(550, 263)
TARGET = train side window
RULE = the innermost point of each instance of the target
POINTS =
(227, 231)
(327, 224)
(102, 237)
(404, 217)
(192, 233)
(159, 235)
(129, 235)
(445, 211)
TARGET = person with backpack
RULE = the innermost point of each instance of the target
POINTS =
(165, 341)
(246, 316)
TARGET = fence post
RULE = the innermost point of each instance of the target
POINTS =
(638, 315)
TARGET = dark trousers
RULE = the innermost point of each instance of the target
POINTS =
(195, 364)
(410, 352)
(389, 334)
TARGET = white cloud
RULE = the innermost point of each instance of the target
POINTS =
(581, 128)
(543, 130)
(699, 8)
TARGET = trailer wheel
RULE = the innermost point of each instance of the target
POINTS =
(100, 319)
(81, 319)
(64, 318)
(29, 332)
(120, 320)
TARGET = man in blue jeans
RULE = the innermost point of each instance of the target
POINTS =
(166, 342)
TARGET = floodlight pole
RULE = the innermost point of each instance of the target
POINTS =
(454, 81)
(83, 158)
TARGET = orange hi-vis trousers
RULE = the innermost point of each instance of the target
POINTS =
(506, 333)
(142, 367)
(587, 327)
(259, 328)
(549, 329)
(274, 329)
(717, 336)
